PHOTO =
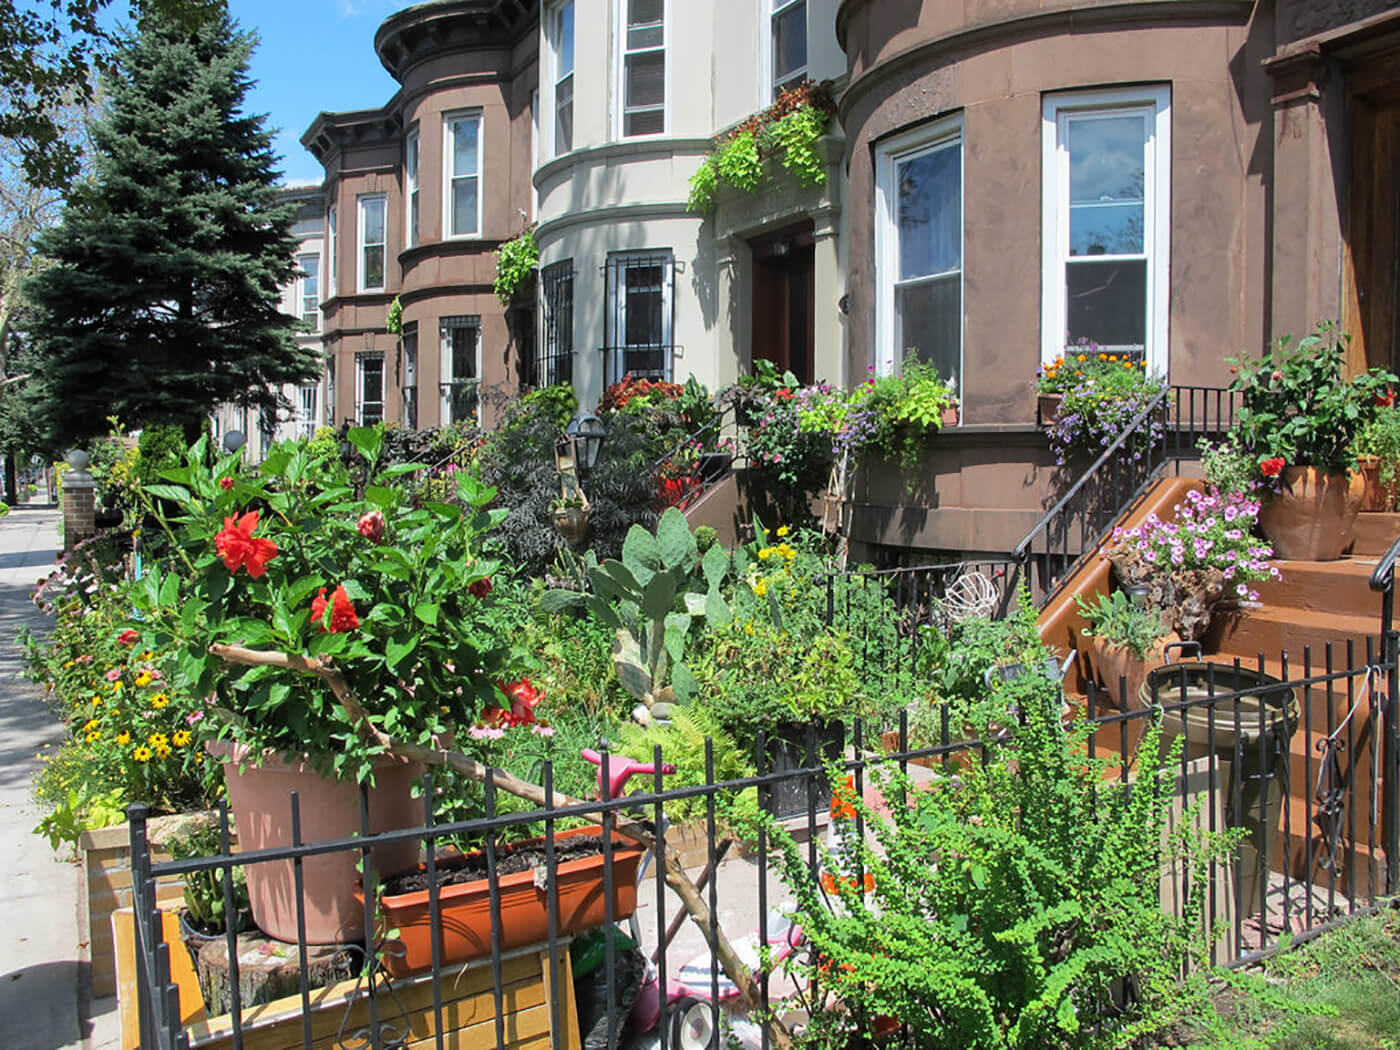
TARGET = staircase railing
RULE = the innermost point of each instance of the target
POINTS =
(1080, 519)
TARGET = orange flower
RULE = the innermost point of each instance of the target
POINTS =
(238, 547)
(343, 616)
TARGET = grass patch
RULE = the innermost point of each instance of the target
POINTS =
(1340, 992)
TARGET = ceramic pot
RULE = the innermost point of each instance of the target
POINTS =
(571, 523)
(1048, 407)
(1118, 663)
(1312, 517)
(1379, 497)
(464, 910)
(950, 416)
(259, 790)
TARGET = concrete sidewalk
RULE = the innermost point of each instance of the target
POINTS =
(42, 971)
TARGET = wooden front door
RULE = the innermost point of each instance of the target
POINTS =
(1372, 256)
(783, 312)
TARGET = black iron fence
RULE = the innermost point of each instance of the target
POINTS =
(1302, 754)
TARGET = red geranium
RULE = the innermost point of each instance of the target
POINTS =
(1386, 400)
(128, 637)
(238, 547)
(523, 696)
(481, 588)
(343, 616)
(1272, 468)
(371, 526)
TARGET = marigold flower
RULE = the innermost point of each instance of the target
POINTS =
(371, 526)
(142, 754)
(760, 587)
(783, 530)
(238, 547)
(343, 616)
(1271, 468)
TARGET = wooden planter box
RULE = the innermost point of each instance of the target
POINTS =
(468, 1004)
(106, 860)
(465, 909)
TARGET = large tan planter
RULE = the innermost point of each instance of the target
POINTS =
(1379, 496)
(259, 793)
(1313, 517)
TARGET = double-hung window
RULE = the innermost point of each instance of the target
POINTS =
(369, 388)
(556, 363)
(787, 52)
(410, 375)
(308, 293)
(332, 246)
(410, 179)
(371, 253)
(643, 67)
(1106, 216)
(461, 368)
(641, 288)
(562, 34)
(919, 243)
(462, 156)
(330, 391)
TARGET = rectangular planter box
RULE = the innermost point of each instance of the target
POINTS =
(106, 859)
(465, 910)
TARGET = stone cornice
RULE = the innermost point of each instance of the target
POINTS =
(425, 31)
(1066, 17)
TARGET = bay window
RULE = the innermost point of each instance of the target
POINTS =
(919, 244)
(308, 291)
(787, 51)
(1106, 222)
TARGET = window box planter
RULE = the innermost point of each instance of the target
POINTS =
(1048, 407)
(464, 909)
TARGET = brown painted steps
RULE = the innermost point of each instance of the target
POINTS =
(1375, 532)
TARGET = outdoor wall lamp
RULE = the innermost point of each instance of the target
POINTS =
(587, 433)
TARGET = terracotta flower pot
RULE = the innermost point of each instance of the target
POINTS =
(1313, 516)
(571, 523)
(1379, 496)
(464, 910)
(950, 416)
(259, 789)
(1115, 663)
(1048, 407)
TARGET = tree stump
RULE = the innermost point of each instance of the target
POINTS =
(267, 970)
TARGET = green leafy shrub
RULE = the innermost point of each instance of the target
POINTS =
(1379, 437)
(204, 890)
(161, 445)
(738, 161)
(1227, 468)
(1006, 908)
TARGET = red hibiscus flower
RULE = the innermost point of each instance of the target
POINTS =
(1272, 468)
(481, 588)
(343, 616)
(226, 484)
(783, 394)
(128, 637)
(1386, 400)
(371, 526)
(523, 699)
(238, 547)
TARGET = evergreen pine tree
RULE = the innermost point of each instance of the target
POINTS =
(162, 296)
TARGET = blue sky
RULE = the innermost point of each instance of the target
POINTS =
(314, 55)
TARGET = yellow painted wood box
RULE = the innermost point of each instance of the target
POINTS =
(468, 1008)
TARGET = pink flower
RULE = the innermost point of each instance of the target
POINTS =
(128, 637)
(485, 733)
(540, 729)
(194, 717)
(113, 674)
(226, 484)
(371, 526)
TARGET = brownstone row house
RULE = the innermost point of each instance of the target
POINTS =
(1182, 180)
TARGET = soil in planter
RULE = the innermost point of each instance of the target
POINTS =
(509, 860)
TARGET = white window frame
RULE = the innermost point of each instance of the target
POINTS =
(412, 171)
(445, 381)
(332, 245)
(555, 37)
(361, 245)
(620, 71)
(360, 359)
(617, 309)
(448, 149)
(767, 15)
(1154, 103)
(938, 135)
(409, 379)
(308, 400)
(312, 315)
(330, 390)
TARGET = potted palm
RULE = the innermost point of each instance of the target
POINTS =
(322, 563)
(1299, 418)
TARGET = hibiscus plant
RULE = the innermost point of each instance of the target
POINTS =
(305, 555)
(1300, 408)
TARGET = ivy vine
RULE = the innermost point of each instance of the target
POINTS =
(515, 263)
(788, 131)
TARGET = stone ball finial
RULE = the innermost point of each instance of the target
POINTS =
(78, 459)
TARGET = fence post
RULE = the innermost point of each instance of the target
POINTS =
(1390, 804)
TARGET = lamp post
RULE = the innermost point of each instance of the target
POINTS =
(575, 455)
(587, 433)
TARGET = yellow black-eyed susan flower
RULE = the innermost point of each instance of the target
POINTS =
(142, 754)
